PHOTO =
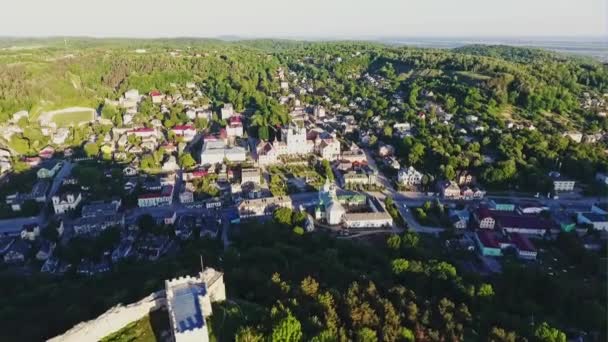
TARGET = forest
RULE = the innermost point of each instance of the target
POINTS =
(304, 286)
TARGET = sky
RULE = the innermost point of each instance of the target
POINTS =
(304, 18)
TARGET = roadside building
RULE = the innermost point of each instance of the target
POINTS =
(93, 225)
(143, 132)
(263, 206)
(449, 189)
(409, 176)
(250, 175)
(524, 248)
(367, 220)
(487, 242)
(483, 218)
(471, 193)
(561, 184)
(363, 175)
(501, 205)
(524, 224)
(164, 197)
(596, 220)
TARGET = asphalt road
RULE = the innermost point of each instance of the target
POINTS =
(13, 226)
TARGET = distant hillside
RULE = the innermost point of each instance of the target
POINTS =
(511, 53)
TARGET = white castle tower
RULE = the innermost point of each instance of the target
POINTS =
(189, 303)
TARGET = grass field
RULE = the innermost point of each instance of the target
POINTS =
(472, 76)
(152, 328)
(72, 118)
(222, 326)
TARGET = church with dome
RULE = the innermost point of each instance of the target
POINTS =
(351, 210)
(329, 207)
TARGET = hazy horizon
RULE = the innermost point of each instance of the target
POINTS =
(315, 19)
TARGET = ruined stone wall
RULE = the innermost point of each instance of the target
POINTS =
(113, 320)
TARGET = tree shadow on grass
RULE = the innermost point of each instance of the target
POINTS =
(159, 321)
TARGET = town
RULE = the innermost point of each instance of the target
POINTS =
(200, 181)
(145, 175)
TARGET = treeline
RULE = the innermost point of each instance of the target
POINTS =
(321, 289)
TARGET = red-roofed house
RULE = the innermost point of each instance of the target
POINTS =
(488, 243)
(525, 249)
(157, 96)
(164, 197)
(210, 137)
(46, 152)
(169, 147)
(32, 161)
(142, 132)
(524, 224)
(188, 176)
(235, 127)
(187, 132)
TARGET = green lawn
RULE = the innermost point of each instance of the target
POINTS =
(473, 75)
(72, 118)
(223, 325)
(152, 328)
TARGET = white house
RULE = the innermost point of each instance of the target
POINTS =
(156, 96)
(65, 202)
(250, 176)
(60, 135)
(563, 184)
(170, 164)
(409, 176)
(266, 153)
(328, 149)
(235, 127)
(227, 111)
(30, 232)
(367, 220)
(214, 152)
(318, 111)
(263, 206)
(187, 132)
(143, 132)
(164, 197)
